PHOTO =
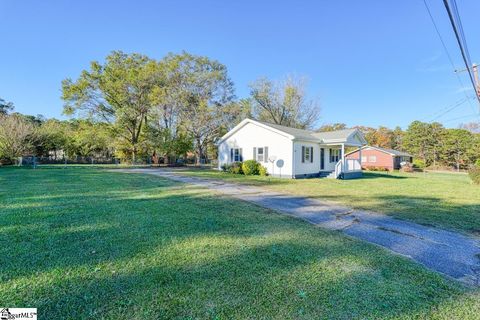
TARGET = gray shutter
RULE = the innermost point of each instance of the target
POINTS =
(265, 154)
(311, 154)
(254, 153)
(330, 155)
(240, 154)
(303, 154)
(231, 155)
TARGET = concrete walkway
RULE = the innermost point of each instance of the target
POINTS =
(449, 253)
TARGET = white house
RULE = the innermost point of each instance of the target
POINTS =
(292, 153)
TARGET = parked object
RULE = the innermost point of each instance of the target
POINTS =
(290, 152)
(377, 157)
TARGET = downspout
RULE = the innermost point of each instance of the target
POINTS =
(293, 159)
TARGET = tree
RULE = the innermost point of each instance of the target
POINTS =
(5, 107)
(15, 132)
(397, 138)
(205, 99)
(332, 127)
(424, 140)
(457, 148)
(51, 136)
(284, 102)
(473, 127)
(118, 92)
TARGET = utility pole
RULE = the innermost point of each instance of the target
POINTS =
(475, 77)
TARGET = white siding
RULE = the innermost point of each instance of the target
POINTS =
(307, 168)
(252, 135)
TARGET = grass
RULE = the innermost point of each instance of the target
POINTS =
(86, 243)
(443, 200)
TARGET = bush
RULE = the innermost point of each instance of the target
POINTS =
(474, 174)
(262, 171)
(477, 163)
(376, 169)
(251, 167)
(235, 168)
(418, 163)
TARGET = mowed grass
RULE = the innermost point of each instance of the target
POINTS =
(83, 243)
(444, 200)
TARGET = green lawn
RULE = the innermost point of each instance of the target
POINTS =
(83, 243)
(444, 200)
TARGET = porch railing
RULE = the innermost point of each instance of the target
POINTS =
(350, 165)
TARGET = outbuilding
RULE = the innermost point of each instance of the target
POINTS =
(380, 157)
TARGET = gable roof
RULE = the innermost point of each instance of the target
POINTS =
(338, 136)
(386, 150)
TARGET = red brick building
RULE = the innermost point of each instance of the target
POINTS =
(380, 157)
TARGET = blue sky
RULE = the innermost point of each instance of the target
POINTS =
(368, 62)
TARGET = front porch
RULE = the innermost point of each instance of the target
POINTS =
(348, 168)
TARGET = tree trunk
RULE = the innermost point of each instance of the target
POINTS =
(199, 152)
(134, 154)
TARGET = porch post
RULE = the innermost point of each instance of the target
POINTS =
(343, 156)
(360, 157)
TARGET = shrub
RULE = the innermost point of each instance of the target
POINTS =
(250, 167)
(235, 168)
(474, 174)
(418, 163)
(477, 163)
(377, 168)
(262, 171)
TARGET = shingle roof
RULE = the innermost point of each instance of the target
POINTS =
(335, 135)
(296, 133)
(302, 134)
(391, 151)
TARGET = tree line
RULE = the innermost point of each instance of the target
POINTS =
(131, 106)
(431, 144)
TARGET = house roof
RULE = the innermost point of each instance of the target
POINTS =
(389, 151)
(300, 134)
(339, 136)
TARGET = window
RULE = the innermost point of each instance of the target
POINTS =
(236, 154)
(335, 155)
(307, 154)
(372, 159)
(260, 154)
(364, 159)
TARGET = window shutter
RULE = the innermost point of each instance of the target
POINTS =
(303, 154)
(330, 153)
(240, 154)
(254, 153)
(311, 154)
(265, 154)
(231, 155)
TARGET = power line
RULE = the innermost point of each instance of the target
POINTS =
(448, 53)
(449, 110)
(461, 42)
(462, 117)
(434, 114)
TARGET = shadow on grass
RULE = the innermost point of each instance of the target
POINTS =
(430, 211)
(103, 244)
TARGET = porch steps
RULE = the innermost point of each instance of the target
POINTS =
(327, 174)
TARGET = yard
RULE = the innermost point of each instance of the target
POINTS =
(444, 200)
(87, 243)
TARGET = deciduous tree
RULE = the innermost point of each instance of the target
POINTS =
(284, 102)
(118, 91)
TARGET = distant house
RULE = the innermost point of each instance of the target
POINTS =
(292, 153)
(380, 157)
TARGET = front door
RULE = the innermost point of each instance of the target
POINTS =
(322, 158)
